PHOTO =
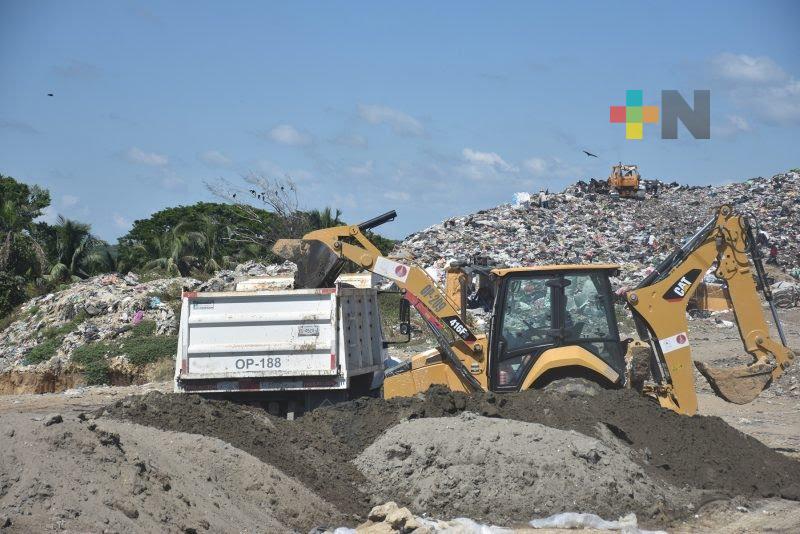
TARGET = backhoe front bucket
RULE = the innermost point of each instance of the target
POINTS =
(738, 385)
(317, 265)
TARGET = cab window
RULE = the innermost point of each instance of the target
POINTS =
(527, 314)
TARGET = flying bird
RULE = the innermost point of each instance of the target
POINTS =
(590, 154)
(49, 94)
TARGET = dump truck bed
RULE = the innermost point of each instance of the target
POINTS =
(302, 339)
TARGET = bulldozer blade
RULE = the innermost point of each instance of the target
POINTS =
(317, 265)
(738, 385)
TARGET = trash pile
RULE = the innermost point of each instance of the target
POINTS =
(226, 279)
(582, 227)
(98, 308)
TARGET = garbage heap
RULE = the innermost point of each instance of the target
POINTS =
(580, 227)
(104, 308)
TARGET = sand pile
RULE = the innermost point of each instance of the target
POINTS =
(498, 470)
(111, 476)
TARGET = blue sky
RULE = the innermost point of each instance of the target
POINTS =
(431, 108)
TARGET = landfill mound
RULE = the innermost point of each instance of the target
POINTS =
(580, 227)
(38, 345)
(501, 469)
(691, 453)
(79, 475)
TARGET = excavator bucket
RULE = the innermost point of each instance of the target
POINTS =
(317, 265)
(738, 385)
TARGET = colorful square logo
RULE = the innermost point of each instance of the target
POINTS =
(634, 114)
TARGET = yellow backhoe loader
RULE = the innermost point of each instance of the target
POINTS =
(559, 321)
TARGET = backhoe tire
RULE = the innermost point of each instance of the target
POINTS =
(574, 387)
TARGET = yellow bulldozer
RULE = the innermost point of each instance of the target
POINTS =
(626, 182)
(558, 322)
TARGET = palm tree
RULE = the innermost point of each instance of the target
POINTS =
(75, 245)
(20, 253)
(325, 218)
(175, 252)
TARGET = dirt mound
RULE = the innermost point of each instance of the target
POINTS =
(309, 453)
(700, 452)
(62, 473)
(690, 453)
(508, 471)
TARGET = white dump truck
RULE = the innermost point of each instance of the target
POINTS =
(293, 349)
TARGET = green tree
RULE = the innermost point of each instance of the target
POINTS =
(22, 259)
(204, 236)
(78, 254)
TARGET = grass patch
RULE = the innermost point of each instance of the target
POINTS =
(92, 358)
(43, 351)
(143, 346)
(53, 337)
(33, 311)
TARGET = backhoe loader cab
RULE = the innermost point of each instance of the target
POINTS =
(552, 322)
(548, 322)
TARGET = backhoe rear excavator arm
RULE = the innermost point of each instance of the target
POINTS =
(659, 308)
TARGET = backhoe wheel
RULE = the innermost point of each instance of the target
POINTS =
(574, 387)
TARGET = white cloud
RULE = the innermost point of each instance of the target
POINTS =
(777, 104)
(400, 196)
(120, 221)
(286, 134)
(732, 126)
(350, 140)
(215, 158)
(137, 155)
(551, 167)
(760, 86)
(485, 166)
(491, 159)
(747, 69)
(536, 166)
(362, 170)
(69, 201)
(401, 123)
(173, 182)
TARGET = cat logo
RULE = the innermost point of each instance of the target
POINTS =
(679, 289)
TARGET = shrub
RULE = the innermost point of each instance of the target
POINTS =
(142, 346)
(12, 292)
(43, 351)
(53, 337)
(92, 358)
